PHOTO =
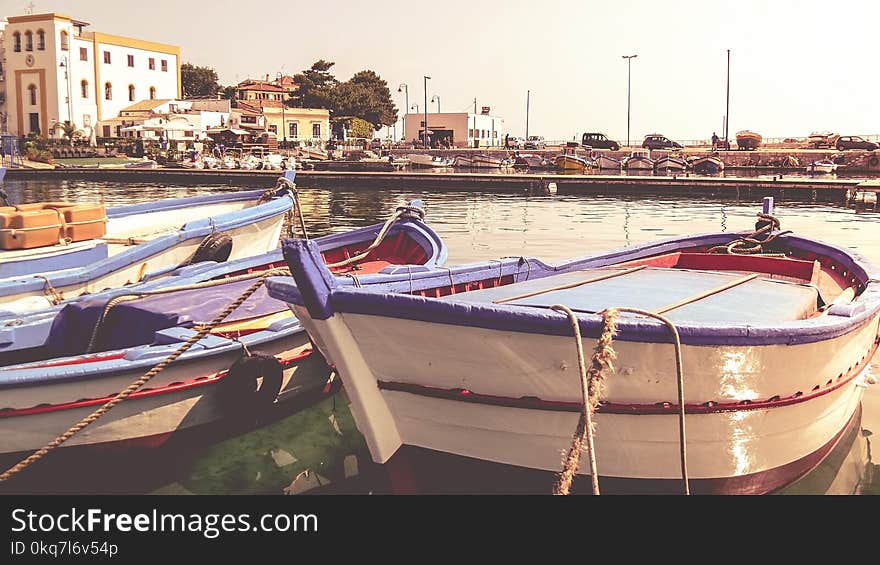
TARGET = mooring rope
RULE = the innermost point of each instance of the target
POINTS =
(592, 381)
(748, 244)
(401, 211)
(49, 291)
(134, 386)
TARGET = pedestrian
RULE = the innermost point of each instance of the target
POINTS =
(507, 141)
(714, 140)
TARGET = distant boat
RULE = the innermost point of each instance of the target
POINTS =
(570, 161)
(822, 166)
(143, 164)
(670, 163)
(490, 162)
(606, 162)
(463, 161)
(708, 165)
(532, 161)
(748, 140)
(638, 161)
(427, 161)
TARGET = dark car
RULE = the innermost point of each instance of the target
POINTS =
(535, 142)
(599, 141)
(845, 142)
(657, 141)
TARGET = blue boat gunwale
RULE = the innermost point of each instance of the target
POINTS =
(323, 296)
(191, 230)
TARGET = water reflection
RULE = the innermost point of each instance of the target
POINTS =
(476, 226)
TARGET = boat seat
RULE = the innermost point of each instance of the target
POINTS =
(758, 300)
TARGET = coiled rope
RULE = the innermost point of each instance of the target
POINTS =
(749, 244)
(400, 212)
(134, 386)
(592, 381)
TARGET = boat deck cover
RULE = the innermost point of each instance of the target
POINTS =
(757, 301)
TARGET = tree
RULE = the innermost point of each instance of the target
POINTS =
(198, 81)
(365, 96)
(315, 87)
(69, 130)
(229, 92)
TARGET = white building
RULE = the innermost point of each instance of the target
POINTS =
(169, 119)
(463, 129)
(55, 71)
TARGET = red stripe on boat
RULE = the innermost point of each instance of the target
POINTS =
(176, 387)
(659, 408)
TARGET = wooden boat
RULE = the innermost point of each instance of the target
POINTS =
(748, 140)
(821, 167)
(106, 250)
(570, 161)
(606, 162)
(532, 161)
(427, 161)
(670, 164)
(638, 161)
(474, 363)
(75, 365)
(707, 165)
(490, 162)
(463, 161)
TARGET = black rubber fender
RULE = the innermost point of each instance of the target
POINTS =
(215, 247)
(250, 385)
(873, 161)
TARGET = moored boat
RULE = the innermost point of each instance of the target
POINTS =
(53, 251)
(748, 140)
(773, 353)
(490, 162)
(427, 161)
(707, 165)
(821, 167)
(670, 164)
(78, 364)
(606, 162)
(532, 161)
(638, 160)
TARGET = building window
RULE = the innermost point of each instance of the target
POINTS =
(164, 66)
(16, 42)
(84, 88)
(106, 57)
(105, 131)
(108, 90)
(152, 63)
(131, 60)
(32, 92)
(41, 40)
(131, 93)
(83, 54)
(189, 133)
(294, 129)
(274, 129)
(28, 41)
(316, 130)
(152, 93)
(64, 43)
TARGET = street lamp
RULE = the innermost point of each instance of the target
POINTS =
(727, 109)
(404, 88)
(278, 77)
(528, 92)
(64, 65)
(629, 59)
(426, 111)
(415, 107)
(436, 98)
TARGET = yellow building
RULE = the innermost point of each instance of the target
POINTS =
(290, 125)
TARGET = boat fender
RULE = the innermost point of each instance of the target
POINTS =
(873, 161)
(251, 384)
(215, 247)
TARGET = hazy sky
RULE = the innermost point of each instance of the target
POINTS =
(796, 66)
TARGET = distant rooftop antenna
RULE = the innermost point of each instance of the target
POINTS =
(30, 8)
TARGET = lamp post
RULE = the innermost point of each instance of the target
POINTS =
(64, 65)
(404, 88)
(436, 98)
(528, 92)
(629, 59)
(278, 77)
(426, 111)
(727, 110)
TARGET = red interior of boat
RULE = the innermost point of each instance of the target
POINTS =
(397, 249)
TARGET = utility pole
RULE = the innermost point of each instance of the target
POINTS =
(629, 59)
(528, 92)
(727, 111)
(426, 111)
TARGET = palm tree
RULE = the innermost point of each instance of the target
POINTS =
(69, 130)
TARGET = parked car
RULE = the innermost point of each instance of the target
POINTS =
(535, 142)
(822, 140)
(845, 142)
(515, 142)
(599, 141)
(657, 141)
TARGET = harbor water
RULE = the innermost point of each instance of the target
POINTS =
(295, 453)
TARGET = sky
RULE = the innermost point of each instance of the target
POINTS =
(795, 66)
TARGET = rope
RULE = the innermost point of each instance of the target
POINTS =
(748, 244)
(400, 212)
(134, 386)
(591, 389)
(49, 290)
